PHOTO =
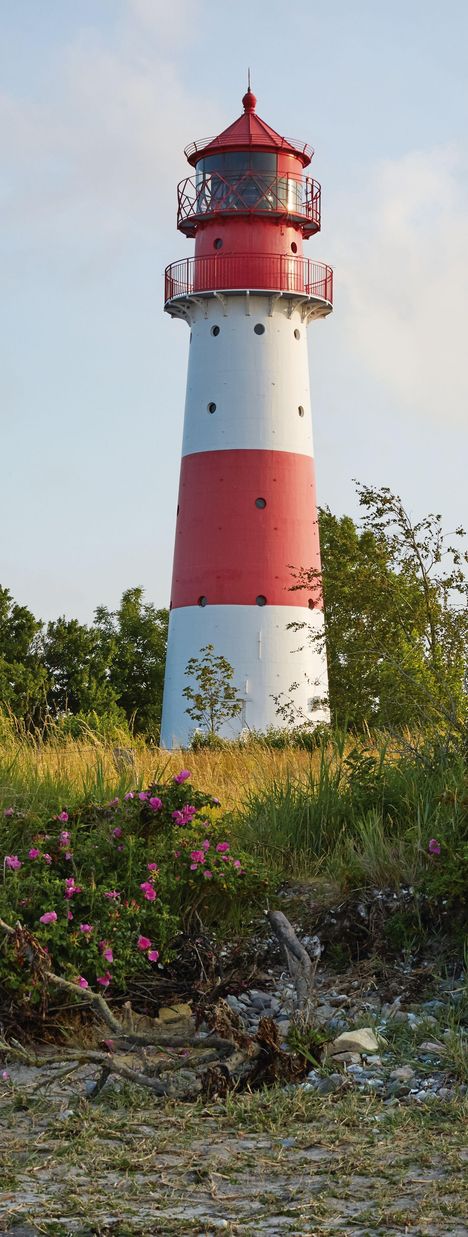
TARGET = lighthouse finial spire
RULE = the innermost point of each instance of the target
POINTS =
(249, 99)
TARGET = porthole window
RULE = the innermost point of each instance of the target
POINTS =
(218, 244)
(211, 407)
(259, 328)
(300, 410)
(260, 600)
(202, 601)
(311, 603)
(293, 247)
(260, 502)
(215, 330)
(297, 334)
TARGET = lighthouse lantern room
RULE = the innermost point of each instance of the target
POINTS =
(247, 514)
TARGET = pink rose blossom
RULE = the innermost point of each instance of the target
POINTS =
(5, 1075)
(9, 811)
(86, 928)
(104, 980)
(117, 833)
(64, 838)
(152, 867)
(143, 942)
(33, 853)
(153, 955)
(47, 858)
(48, 917)
(63, 816)
(82, 982)
(70, 915)
(434, 847)
(149, 892)
(182, 776)
(142, 795)
(129, 795)
(237, 863)
(155, 803)
(194, 867)
(198, 856)
(112, 893)
(222, 847)
(108, 955)
(68, 854)
(114, 802)
(12, 862)
(207, 874)
(206, 844)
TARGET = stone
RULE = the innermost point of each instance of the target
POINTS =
(174, 1013)
(362, 1040)
(347, 1058)
(402, 1074)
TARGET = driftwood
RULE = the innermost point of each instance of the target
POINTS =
(300, 965)
(222, 1058)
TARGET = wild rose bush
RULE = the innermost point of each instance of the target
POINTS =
(106, 890)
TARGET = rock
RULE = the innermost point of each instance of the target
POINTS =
(173, 1013)
(433, 1047)
(446, 1093)
(362, 1040)
(347, 1058)
(339, 998)
(324, 1013)
(402, 1074)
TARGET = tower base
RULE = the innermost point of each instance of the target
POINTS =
(272, 665)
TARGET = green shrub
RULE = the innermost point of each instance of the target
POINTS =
(106, 889)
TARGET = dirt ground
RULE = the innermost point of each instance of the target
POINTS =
(284, 1162)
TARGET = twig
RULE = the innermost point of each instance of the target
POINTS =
(299, 963)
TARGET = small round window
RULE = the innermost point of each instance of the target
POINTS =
(293, 247)
(300, 410)
(260, 502)
(202, 601)
(211, 407)
(215, 330)
(311, 603)
(297, 334)
(218, 244)
(259, 328)
(260, 600)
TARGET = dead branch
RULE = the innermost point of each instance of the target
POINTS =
(300, 965)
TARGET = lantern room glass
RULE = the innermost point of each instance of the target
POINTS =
(245, 180)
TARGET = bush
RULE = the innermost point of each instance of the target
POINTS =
(105, 890)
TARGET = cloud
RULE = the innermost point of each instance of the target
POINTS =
(99, 158)
(402, 268)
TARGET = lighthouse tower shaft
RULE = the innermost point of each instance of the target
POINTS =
(247, 515)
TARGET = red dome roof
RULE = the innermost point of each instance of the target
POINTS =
(249, 130)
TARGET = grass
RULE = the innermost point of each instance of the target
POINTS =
(282, 1161)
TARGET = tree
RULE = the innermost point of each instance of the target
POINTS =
(23, 678)
(214, 700)
(395, 616)
(133, 641)
(78, 668)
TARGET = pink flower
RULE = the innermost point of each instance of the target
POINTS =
(69, 915)
(178, 817)
(9, 811)
(86, 928)
(68, 854)
(108, 955)
(216, 802)
(70, 887)
(434, 847)
(222, 847)
(129, 795)
(153, 955)
(48, 917)
(182, 776)
(112, 893)
(5, 1075)
(63, 816)
(143, 942)
(198, 856)
(114, 802)
(194, 867)
(64, 838)
(47, 858)
(142, 795)
(82, 982)
(237, 863)
(33, 853)
(149, 892)
(155, 803)
(152, 867)
(104, 980)
(206, 844)
(12, 862)
(177, 854)
(117, 833)
(207, 874)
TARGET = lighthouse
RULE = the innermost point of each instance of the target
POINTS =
(247, 513)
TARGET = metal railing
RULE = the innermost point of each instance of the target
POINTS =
(252, 271)
(287, 144)
(289, 196)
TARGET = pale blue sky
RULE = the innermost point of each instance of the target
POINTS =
(97, 100)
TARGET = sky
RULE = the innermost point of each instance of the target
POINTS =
(97, 100)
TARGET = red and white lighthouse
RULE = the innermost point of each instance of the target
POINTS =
(246, 515)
